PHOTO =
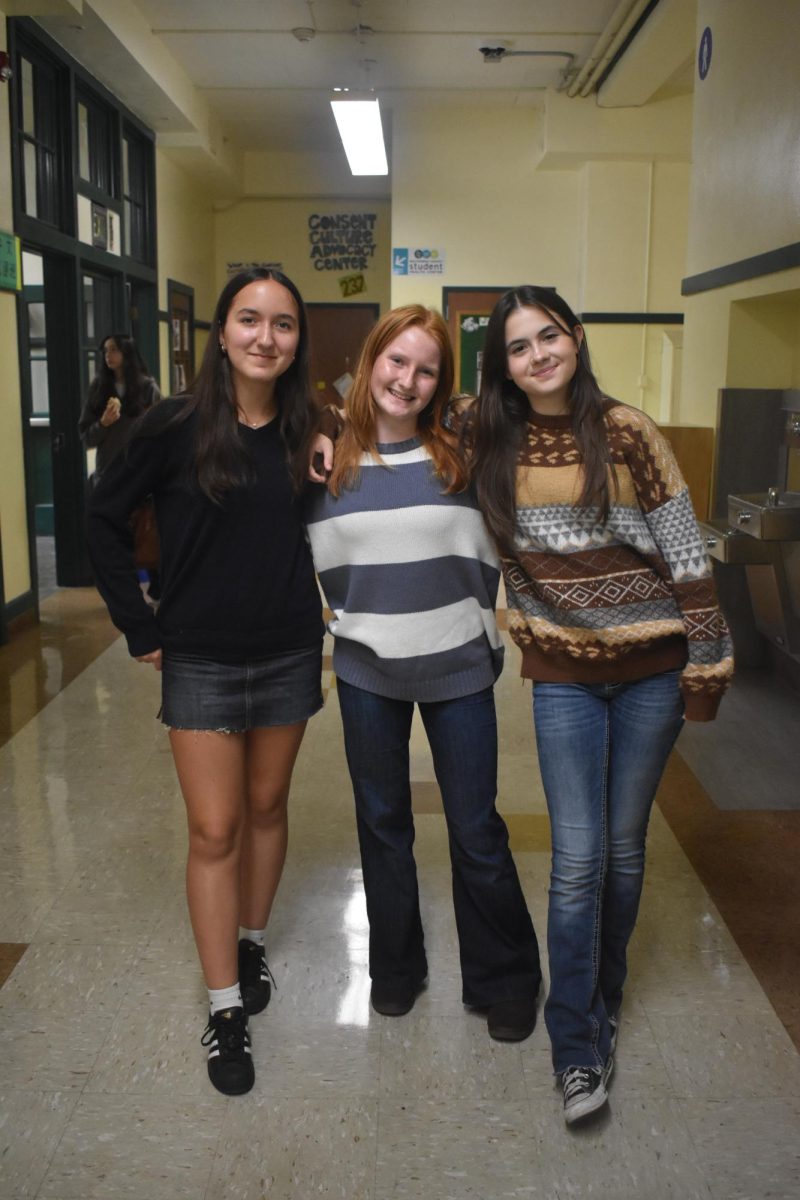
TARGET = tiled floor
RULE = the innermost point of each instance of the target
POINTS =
(104, 1094)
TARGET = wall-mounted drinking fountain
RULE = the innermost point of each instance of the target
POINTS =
(770, 521)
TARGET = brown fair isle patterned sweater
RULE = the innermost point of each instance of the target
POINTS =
(591, 602)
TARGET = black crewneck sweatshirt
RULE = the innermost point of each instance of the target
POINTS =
(237, 579)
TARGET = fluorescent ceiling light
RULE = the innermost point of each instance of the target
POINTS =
(359, 122)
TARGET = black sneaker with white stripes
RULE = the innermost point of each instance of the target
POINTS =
(255, 977)
(584, 1090)
(230, 1062)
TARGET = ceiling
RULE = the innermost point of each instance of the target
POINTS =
(270, 89)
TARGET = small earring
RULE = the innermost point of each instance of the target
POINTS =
(222, 348)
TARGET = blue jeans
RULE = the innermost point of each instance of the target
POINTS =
(602, 750)
(497, 943)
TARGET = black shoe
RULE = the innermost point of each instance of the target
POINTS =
(393, 999)
(255, 977)
(230, 1063)
(584, 1090)
(512, 1020)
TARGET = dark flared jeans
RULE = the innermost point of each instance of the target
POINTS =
(497, 943)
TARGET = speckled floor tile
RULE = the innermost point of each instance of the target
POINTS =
(24, 907)
(127, 1148)
(297, 1059)
(637, 1148)
(286, 1148)
(167, 976)
(317, 992)
(45, 1051)
(714, 1055)
(726, 1134)
(153, 1049)
(462, 1150)
(438, 1057)
(57, 978)
(31, 1125)
(92, 916)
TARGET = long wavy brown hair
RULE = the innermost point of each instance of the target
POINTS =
(358, 437)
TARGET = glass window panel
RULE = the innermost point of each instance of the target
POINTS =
(40, 396)
(32, 269)
(36, 320)
(31, 203)
(85, 220)
(48, 187)
(83, 141)
(28, 110)
(88, 307)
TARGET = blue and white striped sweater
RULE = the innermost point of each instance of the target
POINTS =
(411, 577)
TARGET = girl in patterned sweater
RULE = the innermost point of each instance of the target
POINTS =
(612, 604)
(411, 576)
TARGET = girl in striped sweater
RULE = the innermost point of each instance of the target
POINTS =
(612, 603)
(411, 576)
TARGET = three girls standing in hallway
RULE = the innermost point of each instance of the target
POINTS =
(612, 603)
(238, 633)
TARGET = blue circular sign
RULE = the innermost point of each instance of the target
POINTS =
(704, 53)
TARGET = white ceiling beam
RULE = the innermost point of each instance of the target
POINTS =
(662, 46)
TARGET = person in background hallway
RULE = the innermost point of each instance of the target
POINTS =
(611, 600)
(238, 633)
(118, 395)
(411, 576)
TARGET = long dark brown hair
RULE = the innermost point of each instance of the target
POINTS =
(501, 417)
(358, 436)
(138, 391)
(221, 461)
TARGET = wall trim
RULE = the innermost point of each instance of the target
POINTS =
(19, 606)
(631, 318)
(782, 259)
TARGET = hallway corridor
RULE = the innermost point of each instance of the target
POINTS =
(104, 1091)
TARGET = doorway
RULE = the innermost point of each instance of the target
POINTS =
(336, 334)
(466, 311)
(180, 305)
(50, 395)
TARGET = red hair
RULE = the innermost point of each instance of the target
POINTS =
(358, 437)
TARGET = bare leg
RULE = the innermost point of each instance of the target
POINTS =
(212, 773)
(270, 759)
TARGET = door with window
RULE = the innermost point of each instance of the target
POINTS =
(180, 300)
(51, 402)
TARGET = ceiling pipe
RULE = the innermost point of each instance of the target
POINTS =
(624, 17)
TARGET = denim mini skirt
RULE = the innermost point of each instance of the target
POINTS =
(281, 689)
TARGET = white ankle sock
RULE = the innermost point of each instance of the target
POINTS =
(254, 935)
(221, 998)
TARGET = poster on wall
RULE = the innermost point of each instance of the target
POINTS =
(234, 268)
(417, 260)
(469, 351)
(342, 241)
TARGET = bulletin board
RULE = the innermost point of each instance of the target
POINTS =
(469, 351)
